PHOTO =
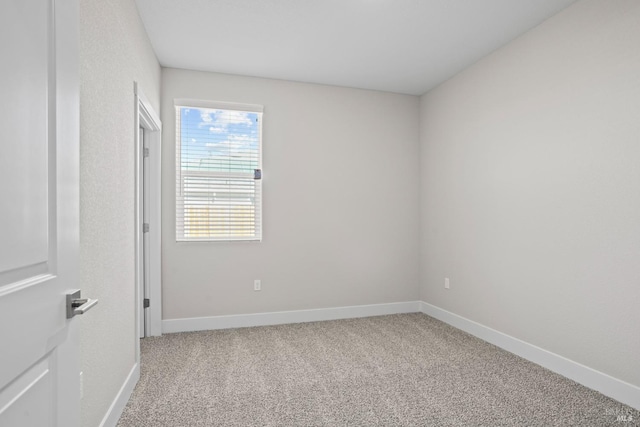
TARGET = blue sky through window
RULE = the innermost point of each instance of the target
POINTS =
(219, 140)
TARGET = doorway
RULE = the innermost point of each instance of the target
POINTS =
(148, 225)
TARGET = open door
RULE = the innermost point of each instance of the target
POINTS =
(148, 218)
(39, 375)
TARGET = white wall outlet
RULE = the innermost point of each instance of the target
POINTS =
(446, 283)
(256, 285)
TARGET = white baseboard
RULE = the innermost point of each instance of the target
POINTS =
(117, 406)
(619, 390)
(282, 317)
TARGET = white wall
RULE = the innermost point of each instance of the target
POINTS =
(530, 201)
(340, 202)
(114, 52)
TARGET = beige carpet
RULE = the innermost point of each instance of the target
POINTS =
(400, 370)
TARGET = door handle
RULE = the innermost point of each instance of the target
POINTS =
(77, 305)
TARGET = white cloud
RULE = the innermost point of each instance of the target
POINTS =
(235, 144)
(233, 117)
(205, 117)
(221, 119)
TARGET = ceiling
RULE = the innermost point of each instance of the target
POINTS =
(403, 46)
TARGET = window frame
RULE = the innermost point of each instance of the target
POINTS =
(179, 104)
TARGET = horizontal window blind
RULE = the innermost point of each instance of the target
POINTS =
(218, 171)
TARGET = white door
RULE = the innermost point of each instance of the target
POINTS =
(144, 203)
(142, 283)
(39, 376)
(145, 235)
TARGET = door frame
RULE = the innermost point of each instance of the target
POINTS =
(148, 119)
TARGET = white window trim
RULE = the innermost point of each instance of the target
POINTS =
(218, 105)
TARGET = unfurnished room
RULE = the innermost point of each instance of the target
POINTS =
(319, 213)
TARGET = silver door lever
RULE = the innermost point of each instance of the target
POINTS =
(77, 305)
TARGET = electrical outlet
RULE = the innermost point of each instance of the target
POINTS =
(256, 285)
(446, 283)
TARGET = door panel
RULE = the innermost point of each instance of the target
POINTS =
(23, 106)
(39, 376)
(36, 384)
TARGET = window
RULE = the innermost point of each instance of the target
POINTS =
(218, 171)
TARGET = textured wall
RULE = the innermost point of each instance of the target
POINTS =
(530, 188)
(340, 202)
(114, 52)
